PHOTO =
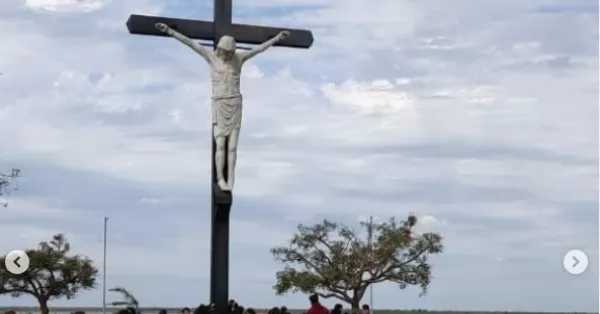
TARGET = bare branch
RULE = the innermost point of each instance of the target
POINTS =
(5, 181)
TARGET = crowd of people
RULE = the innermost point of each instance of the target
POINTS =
(234, 308)
(315, 308)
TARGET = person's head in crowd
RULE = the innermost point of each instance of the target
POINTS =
(201, 309)
(366, 309)
(162, 311)
(313, 298)
(337, 309)
(185, 310)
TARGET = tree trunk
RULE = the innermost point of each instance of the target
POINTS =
(355, 303)
(44, 306)
(356, 297)
(355, 306)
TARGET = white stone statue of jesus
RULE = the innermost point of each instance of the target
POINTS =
(225, 69)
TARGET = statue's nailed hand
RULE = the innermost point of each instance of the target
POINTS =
(284, 34)
(162, 27)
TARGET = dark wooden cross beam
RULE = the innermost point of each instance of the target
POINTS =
(220, 201)
(203, 30)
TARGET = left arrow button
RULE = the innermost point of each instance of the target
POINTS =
(16, 262)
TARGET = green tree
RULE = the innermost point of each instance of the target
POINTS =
(53, 273)
(334, 260)
(128, 301)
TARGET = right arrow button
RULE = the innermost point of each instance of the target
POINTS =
(575, 262)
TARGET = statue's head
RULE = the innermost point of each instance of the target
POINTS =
(226, 47)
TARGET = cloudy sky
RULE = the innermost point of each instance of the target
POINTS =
(479, 116)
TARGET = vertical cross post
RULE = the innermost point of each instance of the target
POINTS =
(219, 252)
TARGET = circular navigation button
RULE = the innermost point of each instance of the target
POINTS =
(575, 262)
(16, 262)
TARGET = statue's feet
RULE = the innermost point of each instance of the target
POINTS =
(223, 185)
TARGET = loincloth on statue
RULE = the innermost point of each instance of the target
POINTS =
(226, 115)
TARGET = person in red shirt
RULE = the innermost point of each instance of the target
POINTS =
(315, 306)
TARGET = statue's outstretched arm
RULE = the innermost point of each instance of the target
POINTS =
(264, 46)
(205, 53)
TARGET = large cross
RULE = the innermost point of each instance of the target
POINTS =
(220, 201)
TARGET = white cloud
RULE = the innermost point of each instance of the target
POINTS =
(67, 5)
(252, 71)
(378, 96)
(150, 200)
(428, 220)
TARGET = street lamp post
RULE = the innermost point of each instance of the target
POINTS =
(104, 269)
(371, 247)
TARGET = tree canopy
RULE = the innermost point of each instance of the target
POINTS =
(335, 260)
(53, 273)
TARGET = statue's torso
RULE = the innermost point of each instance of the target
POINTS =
(225, 75)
